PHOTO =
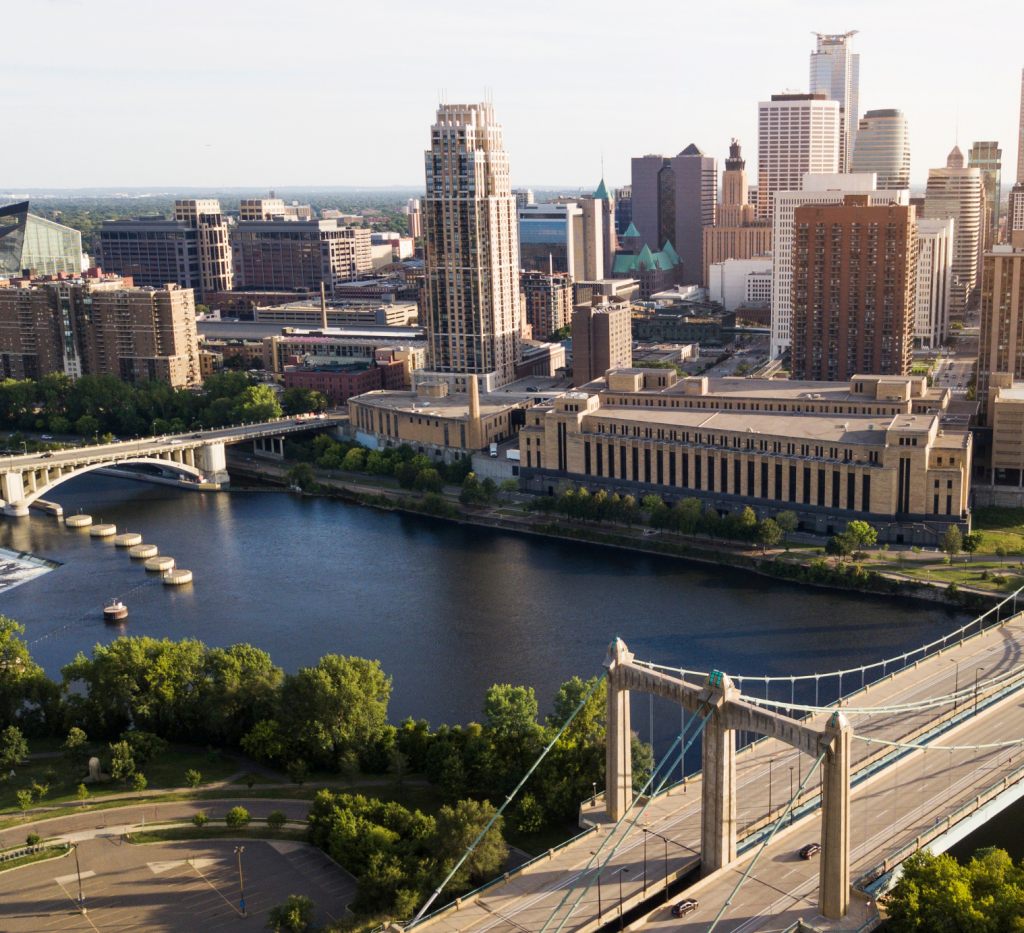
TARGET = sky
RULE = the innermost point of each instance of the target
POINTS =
(133, 93)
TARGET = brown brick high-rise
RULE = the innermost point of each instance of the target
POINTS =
(853, 290)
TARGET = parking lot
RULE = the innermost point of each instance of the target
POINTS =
(175, 887)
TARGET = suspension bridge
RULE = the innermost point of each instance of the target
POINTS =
(871, 763)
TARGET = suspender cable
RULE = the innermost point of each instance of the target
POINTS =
(764, 845)
(608, 838)
(508, 800)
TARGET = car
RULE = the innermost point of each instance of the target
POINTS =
(532, 389)
(197, 435)
(810, 850)
(684, 907)
(47, 437)
(47, 455)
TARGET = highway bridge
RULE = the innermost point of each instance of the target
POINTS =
(934, 742)
(198, 456)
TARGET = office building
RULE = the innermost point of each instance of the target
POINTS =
(835, 72)
(1015, 212)
(524, 197)
(934, 280)
(854, 293)
(1020, 135)
(797, 134)
(892, 459)
(548, 301)
(735, 209)
(816, 189)
(1001, 348)
(98, 325)
(987, 158)
(737, 282)
(336, 347)
(551, 239)
(35, 246)
(955, 192)
(340, 313)
(605, 206)
(673, 200)
(883, 147)
(271, 208)
(601, 339)
(651, 271)
(278, 255)
(191, 250)
(341, 381)
(415, 218)
(623, 209)
(471, 268)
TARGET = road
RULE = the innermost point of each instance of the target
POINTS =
(887, 811)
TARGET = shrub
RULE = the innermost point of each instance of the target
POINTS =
(200, 820)
(295, 915)
(33, 839)
(192, 778)
(237, 818)
(529, 815)
(24, 799)
(276, 820)
(298, 771)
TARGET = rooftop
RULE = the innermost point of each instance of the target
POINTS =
(449, 406)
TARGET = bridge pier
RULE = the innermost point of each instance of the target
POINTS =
(213, 463)
(834, 877)
(718, 801)
(618, 794)
(12, 491)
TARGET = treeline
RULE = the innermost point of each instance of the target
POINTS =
(104, 405)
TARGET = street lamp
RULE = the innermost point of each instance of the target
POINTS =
(978, 671)
(956, 686)
(241, 887)
(771, 761)
(791, 796)
(600, 912)
(620, 873)
(78, 871)
(666, 840)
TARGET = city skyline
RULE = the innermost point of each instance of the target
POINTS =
(139, 90)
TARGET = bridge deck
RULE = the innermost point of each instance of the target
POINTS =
(889, 808)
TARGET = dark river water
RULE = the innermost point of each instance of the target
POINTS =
(447, 610)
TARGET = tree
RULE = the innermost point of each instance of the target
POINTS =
(457, 827)
(295, 915)
(122, 765)
(13, 748)
(256, 403)
(471, 491)
(642, 760)
(276, 819)
(511, 714)
(140, 783)
(862, 534)
(529, 815)
(86, 425)
(266, 743)
(82, 794)
(768, 534)
(1000, 552)
(787, 522)
(971, 542)
(33, 839)
(145, 746)
(28, 698)
(839, 546)
(298, 771)
(200, 819)
(24, 799)
(650, 502)
(302, 475)
(237, 818)
(430, 481)
(952, 542)
(628, 510)
(301, 401)
(508, 486)
(76, 749)
(398, 767)
(192, 778)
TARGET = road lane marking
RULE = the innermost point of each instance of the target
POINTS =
(67, 879)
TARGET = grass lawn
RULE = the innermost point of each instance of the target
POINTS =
(177, 833)
(168, 770)
(963, 577)
(998, 518)
(34, 857)
(539, 843)
(256, 780)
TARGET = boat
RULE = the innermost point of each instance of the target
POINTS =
(115, 611)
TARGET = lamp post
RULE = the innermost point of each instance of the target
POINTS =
(241, 887)
(956, 685)
(620, 873)
(78, 871)
(791, 796)
(771, 761)
(600, 912)
(667, 841)
(593, 800)
(976, 673)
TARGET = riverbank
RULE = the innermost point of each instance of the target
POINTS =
(799, 565)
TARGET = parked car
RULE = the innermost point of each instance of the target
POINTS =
(810, 850)
(684, 907)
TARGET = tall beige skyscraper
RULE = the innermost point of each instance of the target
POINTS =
(835, 72)
(955, 192)
(471, 270)
(987, 158)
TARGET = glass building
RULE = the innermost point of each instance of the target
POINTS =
(41, 247)
(883, 147)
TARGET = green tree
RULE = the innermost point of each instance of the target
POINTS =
(529, 815)
(28, 698)
(839, 546)
(122, 765)
(295, 915)
(301, 401)
(650, 502)
(971, 542)
(266, 743)
(200, 819)
(642, 759)
(302, 475)
(33, 839)
(139, 783)
(298, 771)
(192, 778)
(511, 722)
(355, 460)
(1000, 552)
(457, 827)
(508, 487)
(82, 793)
(952, 542)
(237, 818)
(76, 749)
(787, 522)
(87, 425)
(276, 819)
(862, 534)
(13, 748)
(24, 799)
(768, 534)
(144, 746)
(256, 403)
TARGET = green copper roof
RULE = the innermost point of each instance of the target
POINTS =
(626, 262)
(602, 192)
(668, 251)
(631, 230)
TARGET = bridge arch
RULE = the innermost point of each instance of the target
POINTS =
(51, 483)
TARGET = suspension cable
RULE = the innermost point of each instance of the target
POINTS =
(508, 800)
(607, 839)
(764, 845)
(949, 748)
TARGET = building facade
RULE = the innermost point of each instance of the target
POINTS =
(955, 192)
(769, 448)
(36, 246)
(548, 301)
(1001, 348)
(883, 147)
(854, 291)
(934, 281)
(602, 339)
(835, 72)
(340, 383)
(735, 282)
(987, 158)
(471, 269)
(797, 134)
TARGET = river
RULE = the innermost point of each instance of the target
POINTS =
(448, 610)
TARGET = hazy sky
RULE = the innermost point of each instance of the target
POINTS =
(333, 92)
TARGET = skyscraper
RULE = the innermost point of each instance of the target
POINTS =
(797, 134)
(835, 72)
(1020, 135)
(735, 208)
(1001, 347)
(987, 158)
(34, 244)
(883, 147)
(471, 252)
(955, 191)
(673, 201)
(853, 290)
(934, 280)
